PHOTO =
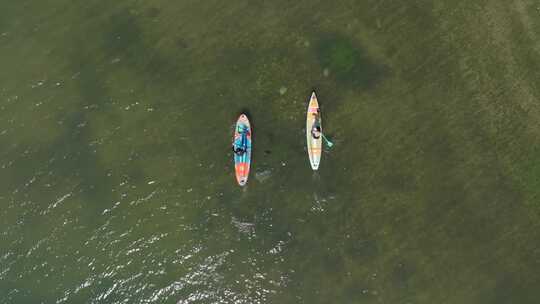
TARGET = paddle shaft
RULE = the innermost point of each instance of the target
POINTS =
(329, 143)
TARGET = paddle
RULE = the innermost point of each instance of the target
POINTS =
(328, 142)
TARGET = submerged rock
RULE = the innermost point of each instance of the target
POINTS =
(243, 227)
(262, 176)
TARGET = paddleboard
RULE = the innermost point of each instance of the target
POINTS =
(242, 140)
(314, 145)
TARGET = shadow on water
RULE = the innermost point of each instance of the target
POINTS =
(348, 62)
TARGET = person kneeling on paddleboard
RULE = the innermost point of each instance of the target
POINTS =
(241, 149)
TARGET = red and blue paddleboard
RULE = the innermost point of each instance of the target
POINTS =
(242, 149)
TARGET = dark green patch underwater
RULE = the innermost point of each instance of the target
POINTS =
(348, 63)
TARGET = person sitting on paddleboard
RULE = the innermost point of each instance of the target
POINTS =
(316, 132)
(316, 129)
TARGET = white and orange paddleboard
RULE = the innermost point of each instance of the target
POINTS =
(314, 145)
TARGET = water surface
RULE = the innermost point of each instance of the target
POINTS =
(116, 176)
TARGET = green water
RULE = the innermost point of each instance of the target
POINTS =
(116, 175)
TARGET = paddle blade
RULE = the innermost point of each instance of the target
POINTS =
(328, 142)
